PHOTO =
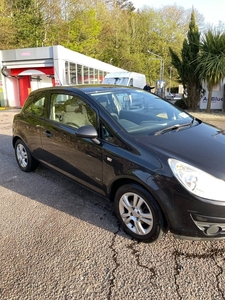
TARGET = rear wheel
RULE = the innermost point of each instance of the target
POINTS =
(23, 157)
(139, 213)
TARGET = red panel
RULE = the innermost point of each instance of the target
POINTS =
(46, 70)
(24, 84)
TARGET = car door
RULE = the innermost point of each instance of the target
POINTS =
(76, 157)
(32, 119)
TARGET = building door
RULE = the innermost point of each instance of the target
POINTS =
(24, 86)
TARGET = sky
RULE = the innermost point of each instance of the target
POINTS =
(212, 10)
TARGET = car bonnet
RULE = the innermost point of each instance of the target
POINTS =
(202, 146)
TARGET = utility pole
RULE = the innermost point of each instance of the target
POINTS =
(161, 72)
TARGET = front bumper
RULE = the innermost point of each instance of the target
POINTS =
(210, 226)
(193, 218)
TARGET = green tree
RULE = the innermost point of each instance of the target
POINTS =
(157, 30)
(6, 26)
(83, 31)
(114, 37)
(186, 65)
(27, 22)
(211, 62)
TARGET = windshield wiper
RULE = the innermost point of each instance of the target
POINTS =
(175, 127)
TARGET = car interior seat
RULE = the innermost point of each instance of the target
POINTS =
(105, 102)
(75, 113)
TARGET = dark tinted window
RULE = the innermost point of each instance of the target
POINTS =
(38, 106)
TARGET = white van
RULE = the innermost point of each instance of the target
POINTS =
(126, 78)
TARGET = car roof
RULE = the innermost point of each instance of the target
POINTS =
(88, 88)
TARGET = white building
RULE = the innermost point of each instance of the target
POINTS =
(24, 70)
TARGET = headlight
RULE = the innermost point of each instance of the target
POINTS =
(197, 181)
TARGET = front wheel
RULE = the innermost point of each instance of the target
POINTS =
(139, 213)
(23, 157)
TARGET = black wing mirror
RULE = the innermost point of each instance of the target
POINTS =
(88, 131)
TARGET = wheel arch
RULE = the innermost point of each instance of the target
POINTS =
(31, 162)
(15, 139)
(124, 181)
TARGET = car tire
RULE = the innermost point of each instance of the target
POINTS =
(138, 213)
(23, 157)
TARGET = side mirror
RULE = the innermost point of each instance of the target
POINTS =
(88, 131)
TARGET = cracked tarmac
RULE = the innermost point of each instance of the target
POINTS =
(60, 241)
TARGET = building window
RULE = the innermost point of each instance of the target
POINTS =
(86, 75)
(73, 73)
(67, 64)
(101, 76)
(91, 76)
(79, 74)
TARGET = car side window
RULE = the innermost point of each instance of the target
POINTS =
(38, 106)
(107, 135)
(72, 111)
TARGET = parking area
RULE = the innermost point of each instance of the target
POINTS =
(61, 241)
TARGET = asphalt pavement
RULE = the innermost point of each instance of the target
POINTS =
(61, 241)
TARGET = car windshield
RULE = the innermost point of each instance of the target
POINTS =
(116, 80)
(140, 112)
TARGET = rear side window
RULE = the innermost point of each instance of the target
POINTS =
(38, 106)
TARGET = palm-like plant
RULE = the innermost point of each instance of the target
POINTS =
(186, 64)
(211, 61)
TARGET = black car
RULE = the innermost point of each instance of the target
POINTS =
(164, 169)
